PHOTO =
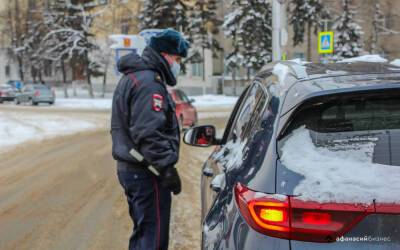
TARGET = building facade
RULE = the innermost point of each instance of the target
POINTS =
(365, 10)
(212, 76)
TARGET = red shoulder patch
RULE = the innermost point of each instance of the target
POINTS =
(157, 102)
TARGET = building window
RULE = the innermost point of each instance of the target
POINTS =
(124, 28)
(8, 70)
(197, 69)
(326, 24)
(298, 55)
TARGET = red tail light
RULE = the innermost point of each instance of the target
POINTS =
(290, 218)
(37, 93)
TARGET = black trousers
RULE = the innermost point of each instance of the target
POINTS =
(149, 208)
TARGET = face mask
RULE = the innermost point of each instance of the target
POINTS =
(175, 69)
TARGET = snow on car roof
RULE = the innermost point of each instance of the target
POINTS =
(347, 176)
(365, 58)
(395, 62)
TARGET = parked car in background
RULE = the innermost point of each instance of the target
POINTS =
(15, 84)
(7, 93)
(185, 111)
(34, 94)
(310, 160)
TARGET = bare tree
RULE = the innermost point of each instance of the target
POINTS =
(379, 27)
(69, 38)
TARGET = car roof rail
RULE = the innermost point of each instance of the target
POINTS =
(298, 69)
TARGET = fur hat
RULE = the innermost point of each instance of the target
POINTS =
(171, 42)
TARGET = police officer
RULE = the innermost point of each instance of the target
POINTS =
(143, 119)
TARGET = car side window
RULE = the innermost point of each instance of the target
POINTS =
(256, 118)
(243, 120)
(183, 96)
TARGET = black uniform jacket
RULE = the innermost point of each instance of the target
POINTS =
(143, 113)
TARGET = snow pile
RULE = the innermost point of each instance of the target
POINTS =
(213, 115)
(366, 58)
(231, 156)
(77, 103)
(17, 128)
(280, 71)
(205, 101)
(215, 101)
(395, 62)
(299, 61)
(332, 175)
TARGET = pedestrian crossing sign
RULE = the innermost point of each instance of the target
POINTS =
(325, 42)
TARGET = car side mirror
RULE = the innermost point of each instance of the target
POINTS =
(201, 136)
(192, 101)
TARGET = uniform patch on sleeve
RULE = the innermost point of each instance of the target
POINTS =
(157, 102)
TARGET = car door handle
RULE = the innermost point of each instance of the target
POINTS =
(216, 188)
(207, 171)
(217, 183)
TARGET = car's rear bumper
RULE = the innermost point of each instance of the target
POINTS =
(7, 98)
(44, 99)
(236, 234)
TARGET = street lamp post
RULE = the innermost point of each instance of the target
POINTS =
(278, 17)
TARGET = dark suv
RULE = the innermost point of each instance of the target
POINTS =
(310, 159)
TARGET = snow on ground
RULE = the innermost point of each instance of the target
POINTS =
(395, 62)
(211, 115)
(17, 128)
(206, 101)
(83, 103)
(339, 176)
(214, 101)
(365, 58)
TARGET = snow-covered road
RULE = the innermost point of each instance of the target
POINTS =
(19, 127)
(201, 102)
(24, 123)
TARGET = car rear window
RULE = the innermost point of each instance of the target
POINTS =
(346, 146)
(364, 114)
(182, 96)
(334, 118)
(41, 87)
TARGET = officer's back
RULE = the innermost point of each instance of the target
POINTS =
(144, 121)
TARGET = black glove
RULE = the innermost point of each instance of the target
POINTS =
(170, 180)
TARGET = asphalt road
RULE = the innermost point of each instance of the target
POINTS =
(63, 193)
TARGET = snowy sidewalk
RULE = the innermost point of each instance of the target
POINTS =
(83, 103)
(208, 102)
(18, 128)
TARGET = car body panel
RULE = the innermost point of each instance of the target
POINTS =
(218, 206)
(185, 111)
(35, 93)
(7, 93)
(376, 231)
(15, 84)
(380, 230)
(223, 227)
